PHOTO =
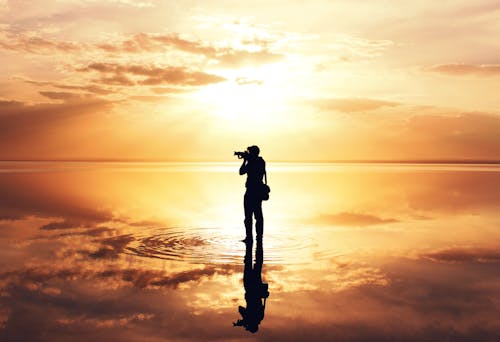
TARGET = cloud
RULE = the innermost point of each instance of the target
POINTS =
(151, 74)
(465, 135)
(98, 304)
(97, 298)
(226, 56)
(259, 42)
(401, 132)
(95, 232)
(353, 219)
(57, 95)
(144, 278)
(463, 254)
(20, 121)
(349, 47)
(149, 98)
(240, 58)
(91, 88)
(143, 43)
(351, 105)
(112, 247)
(131, 3)
(105, 323)
(180, 76)
(37, 45)
(139, 278)
(60, 225)
(459, 193)
(248, 81)
(461, 69)
(167, 90)
(118, 79)
(24, 196)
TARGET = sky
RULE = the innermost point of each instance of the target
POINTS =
(186, 80)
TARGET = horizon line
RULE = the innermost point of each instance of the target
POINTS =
(194, 160)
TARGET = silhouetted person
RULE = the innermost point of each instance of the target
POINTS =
(256, 292)
(255, 168)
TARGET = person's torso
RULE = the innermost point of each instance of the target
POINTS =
(255, 172)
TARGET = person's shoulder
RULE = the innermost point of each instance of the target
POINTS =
(262, 161)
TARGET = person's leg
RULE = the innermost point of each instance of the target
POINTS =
(259, 219)
(247, 203)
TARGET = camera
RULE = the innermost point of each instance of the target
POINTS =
(241, 155)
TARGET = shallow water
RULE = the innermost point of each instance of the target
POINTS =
(151, 252)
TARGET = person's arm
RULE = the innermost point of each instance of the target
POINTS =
(243, 167)
(264, 169)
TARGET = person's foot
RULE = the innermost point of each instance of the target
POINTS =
(247, 240)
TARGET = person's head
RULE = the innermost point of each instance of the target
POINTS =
(254, 150)
(252, 327)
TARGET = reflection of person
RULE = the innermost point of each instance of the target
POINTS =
(256, 292)
(255, 168)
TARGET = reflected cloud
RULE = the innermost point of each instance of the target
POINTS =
(352, 105)
(69, 266)
(123, 321)
(463, 254)
(353, 219)
(460, 69)
(459, 192)
(112, 247)
(94, 232)
(60, 225)
(24, 196)
(37, 278)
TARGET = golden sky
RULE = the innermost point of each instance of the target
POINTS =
(317, 80)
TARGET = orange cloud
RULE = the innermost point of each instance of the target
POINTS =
(459, 69)
(468, 135)
(145, 43)
(167, 90)
(57, 95)
(226, 56)
(117, 79)
(150, 74)
(151, 42)
(239, 58)
(36, 196)
(406, 133)
(37, 45)
(247, 81)
(462, 254)
(29, 127)
(353, 219)
(87, 88)
(459, 193)
(350, 105)
(112, 247)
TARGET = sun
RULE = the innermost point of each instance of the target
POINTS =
(245, 98)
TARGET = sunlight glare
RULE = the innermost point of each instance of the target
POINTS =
(246, 99)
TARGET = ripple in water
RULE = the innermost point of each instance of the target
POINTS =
(215, 245)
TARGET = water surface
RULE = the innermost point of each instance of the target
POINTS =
(151, 252)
